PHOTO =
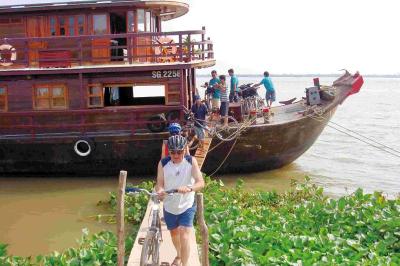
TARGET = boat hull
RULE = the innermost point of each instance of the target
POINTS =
(266, 147)
(260, 147)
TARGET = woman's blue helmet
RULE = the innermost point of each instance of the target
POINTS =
(174, 129)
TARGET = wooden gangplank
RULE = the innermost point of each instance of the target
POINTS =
(167, 250)
(201, 154)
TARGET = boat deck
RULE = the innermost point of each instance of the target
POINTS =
(109, 67)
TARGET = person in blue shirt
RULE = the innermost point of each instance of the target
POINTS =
(270, 96)
(213, 84)
(199, 110)
(234, 88)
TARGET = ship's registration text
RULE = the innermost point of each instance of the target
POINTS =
(166, 74)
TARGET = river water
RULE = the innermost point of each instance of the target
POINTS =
(39, 215)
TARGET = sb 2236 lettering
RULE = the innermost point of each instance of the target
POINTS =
(166, 74)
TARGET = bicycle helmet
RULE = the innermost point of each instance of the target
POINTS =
(174, 129)
(176, 143)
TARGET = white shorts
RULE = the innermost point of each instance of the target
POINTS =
(215, 103)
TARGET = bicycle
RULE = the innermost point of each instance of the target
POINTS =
(213, 127)
(252, 103)
(150, 255)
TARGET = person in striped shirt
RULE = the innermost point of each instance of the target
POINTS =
(224, 99)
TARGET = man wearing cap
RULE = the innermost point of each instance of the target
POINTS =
(199, 110)
(181, 172)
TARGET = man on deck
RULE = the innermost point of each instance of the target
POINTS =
(269, 86)
(199, 110)
(180, 172)
(216, 94)
(234, 88)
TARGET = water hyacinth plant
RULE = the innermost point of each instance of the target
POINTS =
(299, 227)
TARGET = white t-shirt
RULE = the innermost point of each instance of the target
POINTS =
(175, 176)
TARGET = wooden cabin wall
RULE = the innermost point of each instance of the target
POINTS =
(12, 26)
(21, 100)
(38, 25)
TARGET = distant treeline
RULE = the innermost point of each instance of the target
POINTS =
(307, 75)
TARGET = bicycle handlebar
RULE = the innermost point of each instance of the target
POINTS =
(138, 190)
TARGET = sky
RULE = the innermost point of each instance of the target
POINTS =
(307, 36)
(296, 37)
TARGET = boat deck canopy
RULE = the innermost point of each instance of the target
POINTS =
(168, 9)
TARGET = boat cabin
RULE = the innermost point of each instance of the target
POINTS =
(95, 67)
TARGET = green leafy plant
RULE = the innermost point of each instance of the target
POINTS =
(301, 227)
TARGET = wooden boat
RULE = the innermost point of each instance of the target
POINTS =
(290, 132)
(82, 82)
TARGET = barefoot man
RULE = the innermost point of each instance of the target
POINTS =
(181, 172)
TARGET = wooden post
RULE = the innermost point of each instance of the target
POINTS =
(203, 38)
(203, 229)
(190, 47)
(181, 45)
(209, 56)
(121, 218)
(80, 52)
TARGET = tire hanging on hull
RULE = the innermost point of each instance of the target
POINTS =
(84, 147)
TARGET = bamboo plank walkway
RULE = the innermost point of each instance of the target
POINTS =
(167, 250)
(201, 154)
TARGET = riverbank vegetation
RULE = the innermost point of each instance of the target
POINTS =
(299, 227)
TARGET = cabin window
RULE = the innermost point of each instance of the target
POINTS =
(131, 21)
(100, 24)
(3, 98)
(157, 24)
(71, 26)
(148, 21)
(53, 28)
(62, 26)
(153, 23)
(141, 20)
(95, 96)
(134, 95)
(50, 97)
(81, 25)
(67, 25)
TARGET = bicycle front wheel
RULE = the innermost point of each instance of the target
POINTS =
(150, 250)
(227, 133)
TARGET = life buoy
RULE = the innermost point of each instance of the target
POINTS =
(83, 147)
(5, 51)
(167, 48)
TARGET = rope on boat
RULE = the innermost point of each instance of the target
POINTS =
(242, 128)
(226, 157)
(370, 139)
(318, 116)
(366, 142)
